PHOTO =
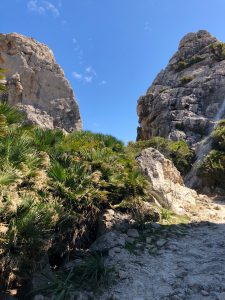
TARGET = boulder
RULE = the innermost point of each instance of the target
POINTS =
(111, 219)
(36, 84)
(133, 233)
(167, 183)
(108, 241)
(185, 97)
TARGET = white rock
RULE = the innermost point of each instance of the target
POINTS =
(166, 181)
(108, 241)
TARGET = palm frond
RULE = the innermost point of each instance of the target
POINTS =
(11, 114)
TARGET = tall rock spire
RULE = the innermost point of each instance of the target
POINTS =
(185, 97)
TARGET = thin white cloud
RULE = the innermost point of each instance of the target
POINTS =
(34, 6)
(77, 75)
(88, 79)
(90, 74)
(52, 8)
(89, 70)
(42, 7)
(103, 82)
(87, 76)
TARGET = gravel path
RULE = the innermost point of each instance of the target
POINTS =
(176, 262)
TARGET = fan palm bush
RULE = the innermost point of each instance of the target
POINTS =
(53, 187)
(45, 140)
(11, 114)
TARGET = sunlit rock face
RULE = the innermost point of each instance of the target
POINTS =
(36, 83)
(185, 97)
(167, 182)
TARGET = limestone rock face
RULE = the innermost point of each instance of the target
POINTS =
(36, 83)
(185, 97)
(166, 181)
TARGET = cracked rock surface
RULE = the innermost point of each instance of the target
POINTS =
(186, 96)
(36, 84)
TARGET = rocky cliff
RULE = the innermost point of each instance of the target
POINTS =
(184, 99)
(36, 83)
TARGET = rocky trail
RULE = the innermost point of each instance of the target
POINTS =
(176, 261)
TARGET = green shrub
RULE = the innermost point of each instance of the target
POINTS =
(90, 274)
(183, 64)
(80, 140)
(178, 151)
(218, 50)
(186, 79)
(2, 78)
(12, 115)
(219, 136)
(182, 156)
(163, 90)
(53, 185)
(45, 140)
(212, 169)
(166, 214)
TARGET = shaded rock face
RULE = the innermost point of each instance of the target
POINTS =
(36, 83)
(166, 181)
(185, 97)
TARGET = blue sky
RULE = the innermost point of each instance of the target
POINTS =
(111, 50)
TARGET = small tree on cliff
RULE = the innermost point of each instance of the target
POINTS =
(2, 80)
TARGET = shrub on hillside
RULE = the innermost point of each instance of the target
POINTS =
(186, 79)
(53, 186)
(212, 169)
(219, 136)
(178, 151)
(183, 64)
(218, 50)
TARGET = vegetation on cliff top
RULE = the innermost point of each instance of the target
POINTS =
(218, 50)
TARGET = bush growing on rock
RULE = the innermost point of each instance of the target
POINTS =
(212, 169)
(219, 136)
(218, 50)
(186, 79)
(177, 151)
(2, 79)
(183, 64)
